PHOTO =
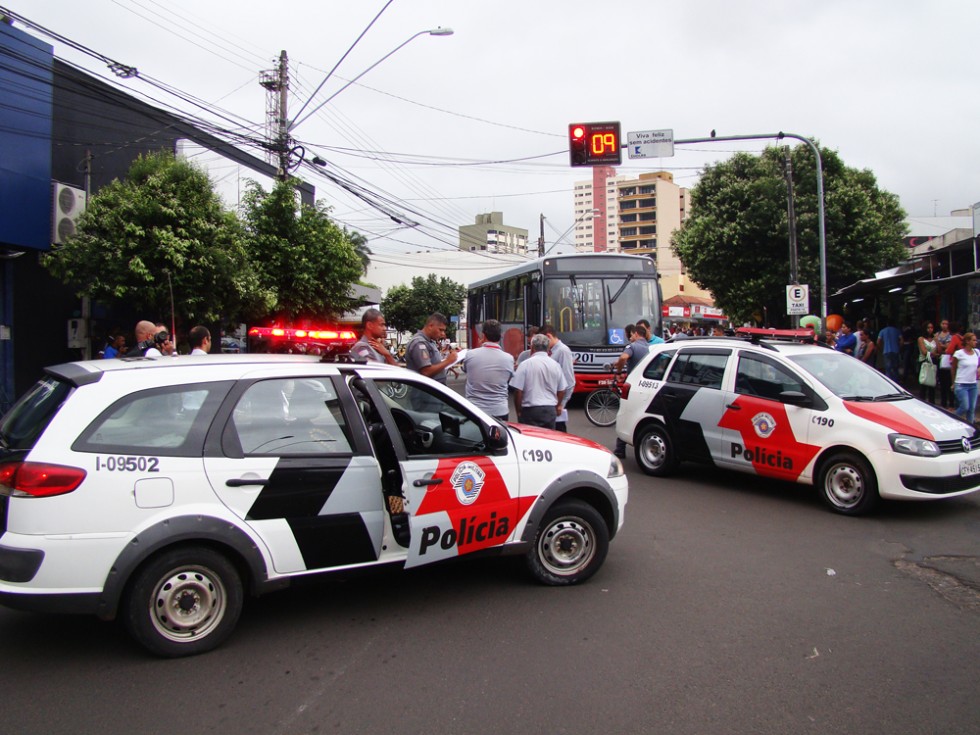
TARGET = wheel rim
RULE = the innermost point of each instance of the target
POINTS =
(603, 407)
(844, 485)
(653, 450)
(188, 604)
(567, 546)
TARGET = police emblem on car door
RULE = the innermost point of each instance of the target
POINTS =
(289, 467)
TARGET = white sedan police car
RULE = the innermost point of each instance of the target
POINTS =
(798, 412)
(163, 490)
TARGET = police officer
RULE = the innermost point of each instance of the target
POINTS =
(422, 353)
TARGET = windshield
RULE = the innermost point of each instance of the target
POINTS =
(848, 378)
(23, 424)
(593, 310)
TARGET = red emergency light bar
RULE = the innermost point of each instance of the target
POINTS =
(300, 335)
(799, 335)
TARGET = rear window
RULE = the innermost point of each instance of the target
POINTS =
(170, 421)
(30, 416)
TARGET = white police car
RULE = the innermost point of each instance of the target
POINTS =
(162, 491)
(799, 412)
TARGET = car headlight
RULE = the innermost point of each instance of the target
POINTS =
(904, 444)
(616, 468)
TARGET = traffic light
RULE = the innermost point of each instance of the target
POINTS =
(593, 144)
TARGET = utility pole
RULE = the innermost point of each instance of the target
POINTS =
(541, 239)
(794, 266)
(283, 116)
(276, 83)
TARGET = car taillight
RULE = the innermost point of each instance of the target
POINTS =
(624, 390)
(38, 480)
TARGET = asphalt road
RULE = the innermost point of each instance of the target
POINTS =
(726, 605)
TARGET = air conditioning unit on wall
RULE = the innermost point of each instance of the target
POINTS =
(69, 203)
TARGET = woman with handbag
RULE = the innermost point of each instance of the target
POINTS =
(927, 363)
(964, 366)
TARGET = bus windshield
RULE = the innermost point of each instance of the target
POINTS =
(593, 310)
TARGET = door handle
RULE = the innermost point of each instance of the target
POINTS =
(733, 406)
(244, 482)
(427, 481)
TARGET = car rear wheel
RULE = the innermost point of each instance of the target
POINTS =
(655, 451)
(570, 545)
(183, 602)
(847, 484)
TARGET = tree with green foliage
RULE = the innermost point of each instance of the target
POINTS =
(307, 262)
(736, 241)
(164, 219)
(406, 308)
(360, 244)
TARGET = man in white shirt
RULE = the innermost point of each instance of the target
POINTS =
(200, 340)
(538, 386)
(488, 371)
(563, 356)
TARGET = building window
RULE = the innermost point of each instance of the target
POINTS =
(648, 230)
(627, 205)
(652, 202)
(627, 232)
(647, 189)
(628, 218)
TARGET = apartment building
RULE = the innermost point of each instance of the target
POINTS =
(634, 214)
(489, 234)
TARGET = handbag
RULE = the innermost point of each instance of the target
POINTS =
(927, 373)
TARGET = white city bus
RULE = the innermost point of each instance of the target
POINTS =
(588, 298)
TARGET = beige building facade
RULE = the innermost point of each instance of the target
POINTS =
(638, 215)
(489, 234)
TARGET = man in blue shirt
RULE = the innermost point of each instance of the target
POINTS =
(635, 351)
(889, 344)
(846, 340)
(653, 339)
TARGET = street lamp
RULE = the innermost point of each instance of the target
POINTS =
(431, 32)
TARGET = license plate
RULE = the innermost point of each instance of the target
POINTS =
(969, 467)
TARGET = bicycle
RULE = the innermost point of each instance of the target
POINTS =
(602, 404)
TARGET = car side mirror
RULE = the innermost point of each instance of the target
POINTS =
(795, 398)
(496, 439)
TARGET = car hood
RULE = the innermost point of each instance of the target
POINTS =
(912, 417)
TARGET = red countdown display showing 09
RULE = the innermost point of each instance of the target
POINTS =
(594, 144)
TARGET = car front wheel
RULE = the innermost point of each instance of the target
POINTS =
(184, 602)
(655, 451)
(847, 484)
(570, 545)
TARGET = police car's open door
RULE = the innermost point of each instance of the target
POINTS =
(459, 492)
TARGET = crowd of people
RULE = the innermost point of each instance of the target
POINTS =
(153, 339)
(941, 363)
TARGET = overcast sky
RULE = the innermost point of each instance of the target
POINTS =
(890, 84)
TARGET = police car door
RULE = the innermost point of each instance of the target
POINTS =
(763, 432)
(691, 401)
(291, 465)
(459, 495)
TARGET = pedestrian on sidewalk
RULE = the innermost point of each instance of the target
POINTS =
(964, 364)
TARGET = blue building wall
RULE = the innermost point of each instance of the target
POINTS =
(27, 82)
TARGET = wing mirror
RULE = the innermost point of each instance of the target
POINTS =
(496, 438)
